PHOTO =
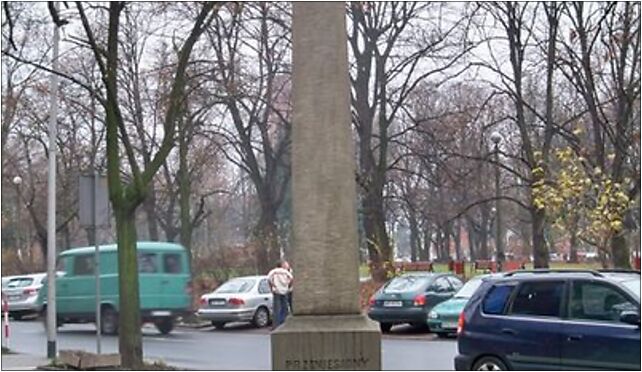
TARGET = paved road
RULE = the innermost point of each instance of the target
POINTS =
(237, 347)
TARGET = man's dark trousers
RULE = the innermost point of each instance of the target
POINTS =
(280, 309)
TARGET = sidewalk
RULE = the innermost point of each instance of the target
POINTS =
(22, 362)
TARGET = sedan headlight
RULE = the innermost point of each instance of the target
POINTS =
(433, 315)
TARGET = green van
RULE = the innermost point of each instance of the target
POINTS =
(164, 285)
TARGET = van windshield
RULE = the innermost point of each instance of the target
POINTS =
(236, 286)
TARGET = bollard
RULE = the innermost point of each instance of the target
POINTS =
(5, 310)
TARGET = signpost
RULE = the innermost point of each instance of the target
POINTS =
(94, 212)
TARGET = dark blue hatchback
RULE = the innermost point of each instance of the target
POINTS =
(552, 320)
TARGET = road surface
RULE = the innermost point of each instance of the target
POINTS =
(237, 347)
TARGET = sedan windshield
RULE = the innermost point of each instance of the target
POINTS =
(633, 286)
(236, 286)
(469, 288)
(410, 283)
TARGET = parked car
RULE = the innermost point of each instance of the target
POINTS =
(21, 293)
(552, 319)
(442, 319)
(410, 297)
(164, 281)
(243, 299)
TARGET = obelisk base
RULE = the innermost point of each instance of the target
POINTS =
(327, 342)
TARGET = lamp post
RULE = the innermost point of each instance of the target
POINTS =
(499, 241)
(17, 181)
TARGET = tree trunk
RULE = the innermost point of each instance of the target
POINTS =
(425, 256)
(377, 239)
(483, 233)
(414, 236)
(574, 240)
(540, 250)
(620, 252)
(266, 235)
(130, 341)
(457, 237)
(472, 239)
(149, 205)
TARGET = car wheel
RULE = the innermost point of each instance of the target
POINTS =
(218, 325)
(261, 318)
(385, 327)
(16, 316)
(442, 334)
(489, 364)
(108, 321)
(164, 325)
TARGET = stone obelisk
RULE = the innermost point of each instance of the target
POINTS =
(327, 330)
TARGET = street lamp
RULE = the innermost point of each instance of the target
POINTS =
(496, 138)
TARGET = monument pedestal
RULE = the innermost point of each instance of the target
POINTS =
(327, 342)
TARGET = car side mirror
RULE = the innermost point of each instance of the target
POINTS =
(630, 317)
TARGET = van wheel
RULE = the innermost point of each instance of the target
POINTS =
(385, 327)
(489, 363)
(108, 321)
(261, 318)
(218, 325)
(164, 325)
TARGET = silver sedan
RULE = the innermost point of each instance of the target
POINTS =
(243, 299)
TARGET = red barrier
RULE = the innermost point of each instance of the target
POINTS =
(636, 263)
(459, 267)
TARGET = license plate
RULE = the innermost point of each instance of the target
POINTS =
(14, 298)
(217, 302)
(451, 325)
(392, 303)
(161, 313)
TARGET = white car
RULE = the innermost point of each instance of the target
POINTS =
(243, 299)
(21, 293)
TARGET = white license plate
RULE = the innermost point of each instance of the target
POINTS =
(217, 302)
(14, 298)
(449, 325)
(392, 303)
(161, 313)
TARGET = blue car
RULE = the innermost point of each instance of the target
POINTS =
(552, 320)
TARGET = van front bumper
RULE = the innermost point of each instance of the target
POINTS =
(226, 315)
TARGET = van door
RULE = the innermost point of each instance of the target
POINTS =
(530, 334)
(149, 278)
(77, 289)
(174, 280)
(594, 336)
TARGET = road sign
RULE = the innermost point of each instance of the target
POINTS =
(86, 201)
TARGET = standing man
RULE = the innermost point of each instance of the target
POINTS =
(280, 280)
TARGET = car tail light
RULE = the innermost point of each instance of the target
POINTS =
(188, 287)
(420, 300)
(30, 291)
(371, 302)
(203, 301)
(460, 323)
(236, 301)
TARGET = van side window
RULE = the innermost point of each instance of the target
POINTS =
(539, 299)
(172, 263)
(598, 302)
(84, 265)
(495, 301)
(147, 263)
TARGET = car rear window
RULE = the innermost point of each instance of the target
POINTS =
(496, 299)
(236, 286)
(19, 282)
(541, 298)
(410, 283)
(469, 288)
